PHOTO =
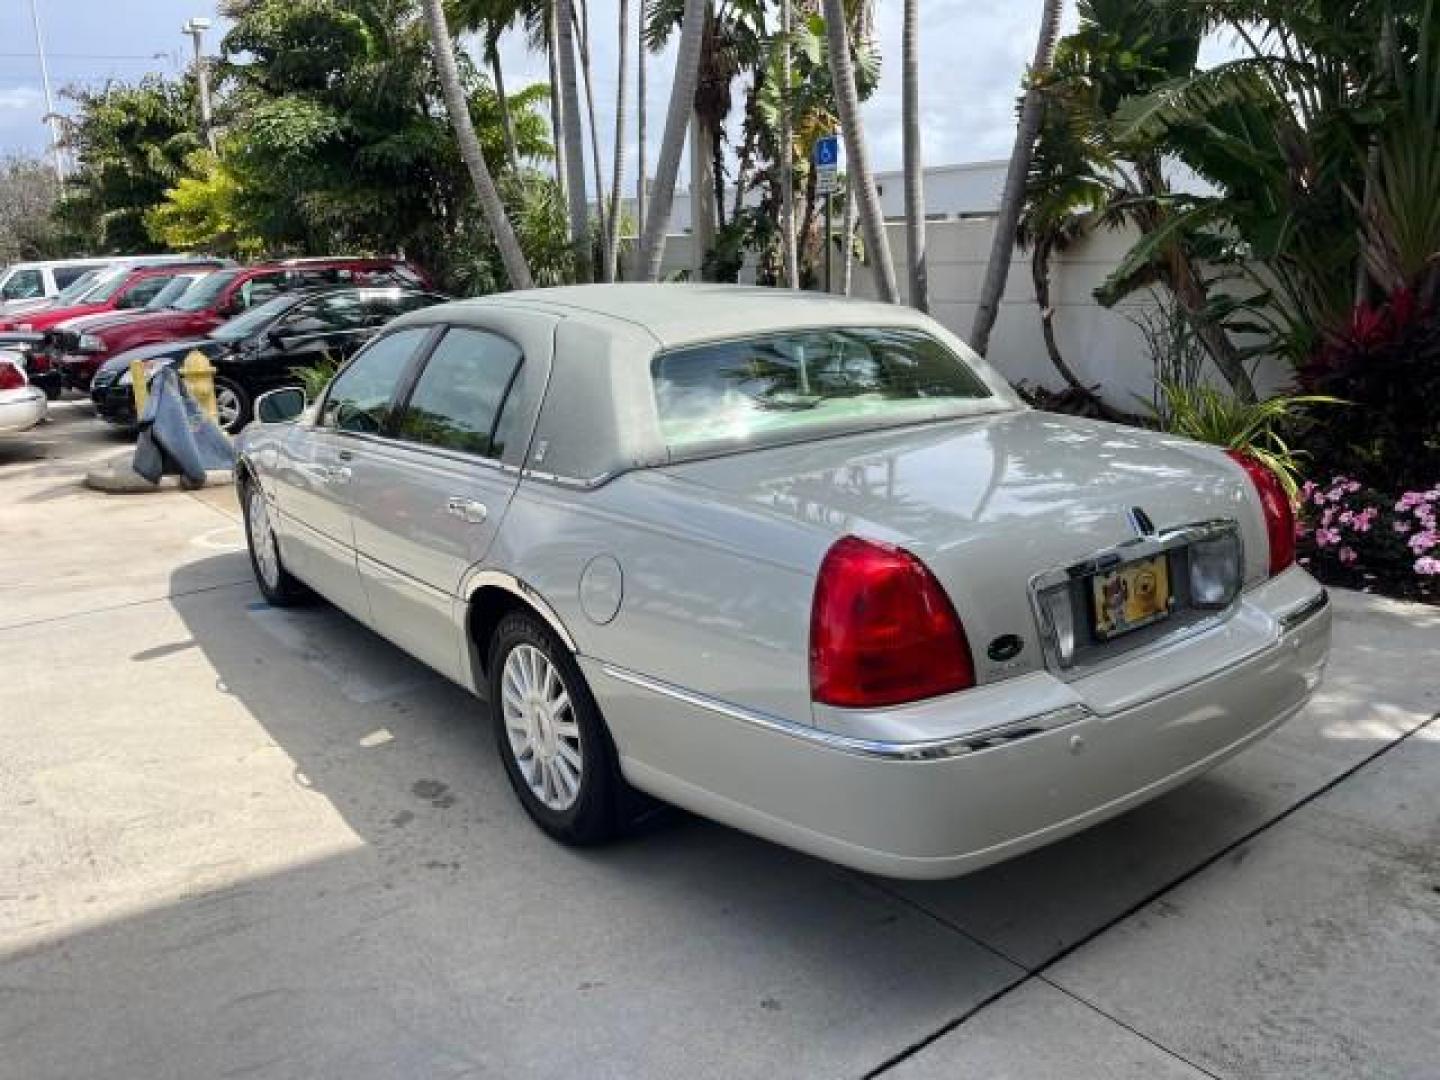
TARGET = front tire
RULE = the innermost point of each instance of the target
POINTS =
(276, 583)
(550, 734)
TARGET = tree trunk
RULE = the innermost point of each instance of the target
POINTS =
(1040, 275)
(516, 268)
(617, 176)
(914, 164)
(857, 158)
(640, 111)
(583, 27)
(702, 195)
(789, 263)
(557, 109)
(847, 249)
(507, 125)
(672, 143)
(577, 200)
(1002, 246)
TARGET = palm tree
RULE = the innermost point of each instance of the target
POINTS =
(458, 106)
(857, 157)
(640, 116)
(914, 167)
(1003, 244)
(582, 28)
(672, 143)
(574, 137)
(785, 143)
(617, 177)
(557, 104)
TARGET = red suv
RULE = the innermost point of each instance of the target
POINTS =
(211, 301)
(122, 289)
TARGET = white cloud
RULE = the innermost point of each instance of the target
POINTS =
(22, 99)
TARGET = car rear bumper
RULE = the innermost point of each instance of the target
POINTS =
(1045, 759)
(21, 410)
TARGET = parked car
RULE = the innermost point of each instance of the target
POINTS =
(34, 286)
(803, 565)
(122, 288)
(22, 406)
(262, 348)
(221, 296)
(30, 284)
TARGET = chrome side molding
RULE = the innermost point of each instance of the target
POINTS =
(925, 750)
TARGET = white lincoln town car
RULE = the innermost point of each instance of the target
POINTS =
(803, 565)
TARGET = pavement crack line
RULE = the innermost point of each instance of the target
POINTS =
(1039, 972)
(105, 609)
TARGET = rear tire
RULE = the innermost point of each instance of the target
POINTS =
(232, 405)
(276, 583)
(551, 737)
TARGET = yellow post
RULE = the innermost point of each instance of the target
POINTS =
(138, 385)
(199, 376)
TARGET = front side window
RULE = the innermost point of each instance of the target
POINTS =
(207, 291)
(361, 397)
(775, 388)
(332, 314)
(459, 398)
(23, 285)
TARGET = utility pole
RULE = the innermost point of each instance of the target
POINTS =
(196, 28)
(50, 114)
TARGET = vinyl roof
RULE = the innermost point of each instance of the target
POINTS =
(678, 314)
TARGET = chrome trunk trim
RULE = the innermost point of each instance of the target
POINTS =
(926, 750)
(1301, 613)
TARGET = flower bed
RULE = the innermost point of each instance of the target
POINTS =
(1352, 535)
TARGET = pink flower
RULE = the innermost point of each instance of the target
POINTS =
(1348, 556)
(1328, 517)
(1427, 565)
(1401, 527)
(1422, 542)
(1347, 517)
(1327, 537)
(1308, 490)
(1365, 519)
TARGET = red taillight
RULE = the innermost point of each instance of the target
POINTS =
(882, 630)
(11, 377)
(1279, 514)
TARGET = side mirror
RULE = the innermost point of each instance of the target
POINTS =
(282, 406)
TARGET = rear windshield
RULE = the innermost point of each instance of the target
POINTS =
(785, 386)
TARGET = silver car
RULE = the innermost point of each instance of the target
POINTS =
(803, 565)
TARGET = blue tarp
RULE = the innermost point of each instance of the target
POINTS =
(176, 436)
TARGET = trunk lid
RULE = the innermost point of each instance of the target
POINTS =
(988, 503)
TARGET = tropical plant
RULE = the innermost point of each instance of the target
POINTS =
(316, 376)
(204, 211)
(1256, 429)
(1002, 246)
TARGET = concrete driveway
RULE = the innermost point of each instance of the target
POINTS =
(236, 841)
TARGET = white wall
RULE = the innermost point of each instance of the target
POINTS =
(1103, 346)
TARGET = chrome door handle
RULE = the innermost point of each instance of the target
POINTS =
(466, 509)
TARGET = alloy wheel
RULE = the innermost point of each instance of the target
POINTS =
(542, 728)
(262, 538)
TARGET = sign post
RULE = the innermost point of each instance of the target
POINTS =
(827, 164)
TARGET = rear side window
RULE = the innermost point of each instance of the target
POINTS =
(64, 275)
(327, 315)
(459, 398)
(773, 388)
(361, 396)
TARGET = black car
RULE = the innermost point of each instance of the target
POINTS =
(260, 349)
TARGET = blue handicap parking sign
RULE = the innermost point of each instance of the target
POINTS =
(827, 150)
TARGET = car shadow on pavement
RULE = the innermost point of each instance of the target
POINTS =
(358, 893)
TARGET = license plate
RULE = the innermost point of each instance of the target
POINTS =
(1132, 595)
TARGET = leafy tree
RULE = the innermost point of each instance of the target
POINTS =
(204, 211)
(28, 192)
(131, 143)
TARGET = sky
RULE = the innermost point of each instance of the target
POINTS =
(972, 55)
